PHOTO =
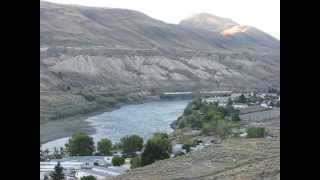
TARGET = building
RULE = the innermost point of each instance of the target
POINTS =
(240, 106)
(78, 166)
(177, 150)
(265, 105)
(108, 160)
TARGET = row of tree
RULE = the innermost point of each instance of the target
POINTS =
(81, 144)
(158, 147)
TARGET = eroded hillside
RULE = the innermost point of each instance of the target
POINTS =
(92, 58)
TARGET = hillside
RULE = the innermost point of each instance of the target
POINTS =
(92, 58)
(236, 158)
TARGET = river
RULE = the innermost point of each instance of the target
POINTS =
(141, 119)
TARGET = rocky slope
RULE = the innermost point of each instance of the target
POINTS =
(108, 52)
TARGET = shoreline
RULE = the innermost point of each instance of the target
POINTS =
(62, 128)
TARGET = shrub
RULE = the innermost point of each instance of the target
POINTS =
(88, 178)
(117, 161)
(221, 128)
(256, 132)
(136, 162)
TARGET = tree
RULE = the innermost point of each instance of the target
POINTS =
(242, 99)
(188, 109)
(117, 161)
(195, 120)
(229, 103)
(131, 144)
(104, 147)
(235, 115)
(88, 178)
(157, 148)
(80, 144)
(45, 177)
(57, 174)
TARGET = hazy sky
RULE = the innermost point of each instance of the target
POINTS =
(262, 14)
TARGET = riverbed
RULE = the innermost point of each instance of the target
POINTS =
(141, 119)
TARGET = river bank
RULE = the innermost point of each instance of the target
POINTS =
(143, 116)
(65, 127)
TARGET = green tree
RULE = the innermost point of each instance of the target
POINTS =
(104, 147)
(235, 115)
(45, 177)
(88, 178)
(188, 109)
(229, 103)
(195, 120)
(131, 144)
(242, 99)
(57, 174)
(117, 161)
(157, 148)
(80, 144)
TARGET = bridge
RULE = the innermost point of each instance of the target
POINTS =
(189, 94)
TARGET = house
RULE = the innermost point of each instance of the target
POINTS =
(177, 150)
(240, 106)
(118, 153)
(108, 160)
(76, 167)
(216, 99)
(100, 172)
(265, 105)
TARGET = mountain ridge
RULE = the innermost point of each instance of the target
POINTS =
(107, 50)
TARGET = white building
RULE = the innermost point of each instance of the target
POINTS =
(216, 99)
(240, 106)
(265, 105)
(108, 160)
(177, 149)
(98, 166)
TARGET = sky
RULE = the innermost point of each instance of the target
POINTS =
(262, 14)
